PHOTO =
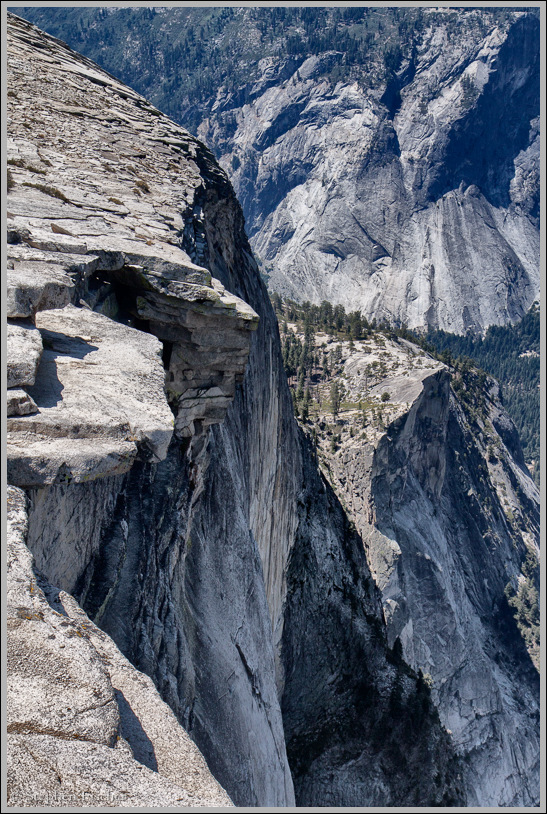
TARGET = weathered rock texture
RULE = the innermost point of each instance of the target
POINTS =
(186, 541)
(417, 201)
(95, 279)
(84, 727)
(447, 511)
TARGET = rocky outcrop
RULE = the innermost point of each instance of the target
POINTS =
(415, 200)
(438, 491)
(464, 528)
(73, 241)
(91, 280)
(171, 528)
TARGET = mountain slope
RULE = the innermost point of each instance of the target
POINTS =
(437, 489)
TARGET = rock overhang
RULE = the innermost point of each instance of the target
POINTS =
(96, 249)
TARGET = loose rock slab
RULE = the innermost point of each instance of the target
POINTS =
(20, 403)
(35, 287)
(24, 349)
(99, 391)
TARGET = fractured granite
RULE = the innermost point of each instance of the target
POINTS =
(84, 726)
(447, 513)
(129, 265)
(20, 403)
(102, 227)
(102, 221)
(205, 566)
(100, 398)
(36, 286)
(24, 350)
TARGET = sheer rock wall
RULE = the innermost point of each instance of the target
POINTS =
(417, 201)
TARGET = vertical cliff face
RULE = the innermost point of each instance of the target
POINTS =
(416, 201)
(137, 351)
(169, 489)
(171, 527)
(358, 726)
(449, 516)
(464, 530)
(84, 726)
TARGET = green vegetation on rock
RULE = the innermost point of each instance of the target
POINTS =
(524, 600)
(510, 353)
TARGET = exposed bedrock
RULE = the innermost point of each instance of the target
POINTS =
(84, 726)
(123, 416)
(448, 514)
(424, 211)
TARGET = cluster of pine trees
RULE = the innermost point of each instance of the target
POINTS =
(509, 353)
(332, 319)
(525, 604)
(314, 374)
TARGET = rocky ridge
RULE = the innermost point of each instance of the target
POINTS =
(90, 395)
(193, 547)
(73, 241)
(437, 488)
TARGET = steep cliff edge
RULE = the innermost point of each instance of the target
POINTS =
(121, 228)
(103, 211)
(84, 727)
(436, 486)
(172, 494)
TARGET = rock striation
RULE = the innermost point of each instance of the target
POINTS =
(437, 488)
(415, 200)
(199, 574)
(84, 727)
(72, 241)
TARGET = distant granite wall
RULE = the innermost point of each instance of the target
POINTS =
(417, 202)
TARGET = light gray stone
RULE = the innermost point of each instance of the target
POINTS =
(393, 206)
(100, 393)
(57, 684)
(430, 505)
(23, 351)
(46, 771)
(228, 570)
(87, 455)
(84, 727)
(147, 724)
(20, 403)
(34, 287)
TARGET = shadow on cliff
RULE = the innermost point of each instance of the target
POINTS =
(47, 389)
(482, 146)
(360, 724)
(131, 729)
